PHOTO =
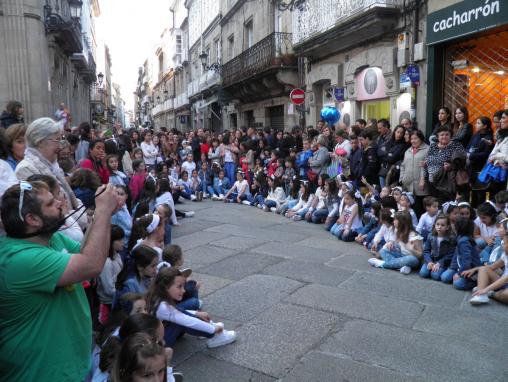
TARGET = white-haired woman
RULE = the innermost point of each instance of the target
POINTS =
(43, 144)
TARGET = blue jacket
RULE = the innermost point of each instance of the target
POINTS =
(465, 256)
(224, 187)
(123, 219)
(205, 177)
(443, 254)
(302, 162)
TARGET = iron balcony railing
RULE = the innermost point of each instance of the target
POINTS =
(275, 50)
(66, 29)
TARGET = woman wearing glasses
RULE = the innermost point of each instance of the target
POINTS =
(43, 144)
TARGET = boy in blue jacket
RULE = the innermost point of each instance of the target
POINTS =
(464, 258)
(302, 160)
(220, 186)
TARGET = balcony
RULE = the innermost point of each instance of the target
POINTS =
(97, 95)
(163, 107)
(181, 100)
(85, 64)
(322, 27)
(273, 52)
(65, 29)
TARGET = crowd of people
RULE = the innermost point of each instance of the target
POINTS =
(88, 218)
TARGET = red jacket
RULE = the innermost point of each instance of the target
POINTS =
(100, 170)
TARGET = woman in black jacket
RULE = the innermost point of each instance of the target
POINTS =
(462, 129)
(395, 154)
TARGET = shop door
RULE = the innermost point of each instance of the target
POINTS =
(277, 117)
(476, 75)
(376, 109)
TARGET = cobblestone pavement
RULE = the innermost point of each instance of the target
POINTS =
(307, 307)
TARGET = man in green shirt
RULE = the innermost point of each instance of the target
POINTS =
(45, 324)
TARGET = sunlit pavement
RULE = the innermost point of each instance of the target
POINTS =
(307, 307)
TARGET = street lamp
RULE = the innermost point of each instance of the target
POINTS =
(100, 78)
(75, 8)
(204, 61)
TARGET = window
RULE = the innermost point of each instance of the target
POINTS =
(231, 46)
(216, 48)
(249, 34)
(178, 44)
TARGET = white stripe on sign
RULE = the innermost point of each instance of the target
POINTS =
(298, 95)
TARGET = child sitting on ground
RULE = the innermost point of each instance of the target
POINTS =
(439, 249)
(427, 220)
(162, 299)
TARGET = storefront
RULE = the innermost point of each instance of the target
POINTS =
(468, 58)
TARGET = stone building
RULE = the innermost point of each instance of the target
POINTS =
(259, 67)
(48, 55)
(357, 56)
(467, 57)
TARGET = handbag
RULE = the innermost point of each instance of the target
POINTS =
(492, 173)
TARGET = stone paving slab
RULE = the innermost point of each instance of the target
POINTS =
(209, 284)
(197, 239)
(358, 304)
(244, 300)
(295, 252)
(276, 339)
(304, 229)
(493, 309)
(431, 357)
(201, 367)
(474, 327)
(207, 254)
(253, 232)
(354, 261)
(324, 367)
(309, 272)
(235, 242)
(191, 225)
(240, 266)
(330, 243)
(412, 287)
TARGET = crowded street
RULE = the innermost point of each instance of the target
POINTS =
(253, 190)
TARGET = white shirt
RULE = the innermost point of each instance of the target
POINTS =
(386, 233)
(150, 153)
(485, 230)
(238, 186)
(167, 312)
(426, 223)
(189, 167)
(167, 198)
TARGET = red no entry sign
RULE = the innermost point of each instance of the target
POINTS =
(297, 96)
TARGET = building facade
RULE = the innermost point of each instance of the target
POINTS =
(358, 56)
(467, 57)
(48, 55)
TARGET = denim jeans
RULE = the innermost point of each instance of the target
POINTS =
(319, 215)
(329, 225)
(174, 331)
(234, 195)
(258, 199)
(336, 229)
(286, 206)
(167, 233)
(186, 193)
(211, 191)
(461, 283)
(270, 203)
(303, 212)
(230, 169)
(487, 250)
(382, 181)
(426, 273)
(397, 260)
(480, 244)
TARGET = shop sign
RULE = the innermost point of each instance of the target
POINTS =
(404, 82)
(464, 18)
(183, 119)
(413, 72)
(338, 94)
(370, 83)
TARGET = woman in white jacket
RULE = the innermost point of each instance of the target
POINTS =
(304, 203)
(276, 195)
(499, 154)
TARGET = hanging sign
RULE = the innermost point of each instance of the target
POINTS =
(338, 94)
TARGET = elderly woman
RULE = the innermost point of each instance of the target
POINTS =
(319, 159)
(412, 173)
(440, 155)
(43, 141)
(16, 144)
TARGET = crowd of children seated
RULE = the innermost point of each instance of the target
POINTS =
(364, 184)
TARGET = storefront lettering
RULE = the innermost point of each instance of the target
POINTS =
(490, 8)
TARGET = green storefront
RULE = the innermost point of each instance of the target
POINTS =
(467, 59)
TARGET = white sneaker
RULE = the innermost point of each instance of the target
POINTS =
(215, 197)
(193, 198)
(480, 299)
(405, 270)
(189, 214)
(246, 202)
(475, 289)
(205, 195)
(223, 338)
(376, 262)
(273, 209)
(297, 218)
(221, 196)
(260, 206)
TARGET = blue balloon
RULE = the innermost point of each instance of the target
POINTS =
(330, 115)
